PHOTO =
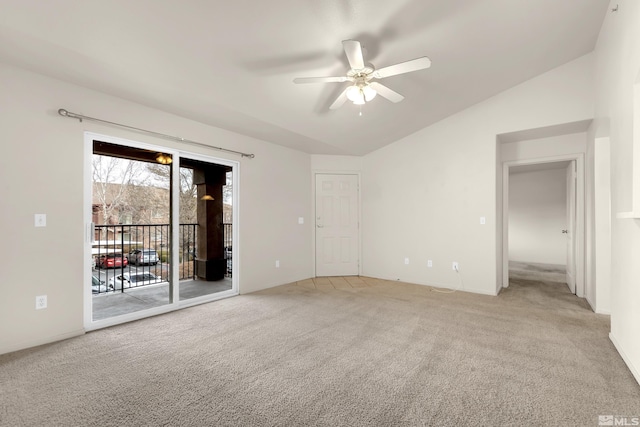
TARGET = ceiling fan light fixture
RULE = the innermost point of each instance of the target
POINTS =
(369, 93)
(353, 93)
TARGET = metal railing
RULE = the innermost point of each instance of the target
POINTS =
(135, 255)
(228, 247)
(187, 247)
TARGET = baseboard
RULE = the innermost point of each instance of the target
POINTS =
(632, 368)
(595, 309)
(34, 343)
(433, 284)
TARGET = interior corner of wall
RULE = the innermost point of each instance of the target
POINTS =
(625, 357)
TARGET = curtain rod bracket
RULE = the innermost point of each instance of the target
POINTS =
(65, 113)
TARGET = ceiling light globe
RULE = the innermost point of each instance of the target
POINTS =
(353, 93)
(369, 93)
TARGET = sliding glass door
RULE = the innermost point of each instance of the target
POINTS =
(159, 230)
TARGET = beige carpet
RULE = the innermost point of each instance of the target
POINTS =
(334, 352)
(537, 271)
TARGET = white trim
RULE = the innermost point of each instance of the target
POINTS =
(87, 221)
(174, 291)
(207, 298)
(174, 302)
(634, 371)
(314, 175)
(235, 229)
(628, 215)
(580, 215)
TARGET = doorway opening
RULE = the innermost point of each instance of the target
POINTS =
(541, 215)
(536, 238)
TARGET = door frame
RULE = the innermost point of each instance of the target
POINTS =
(571, 199)
(580, 252)
(313, 210)
(175, 302)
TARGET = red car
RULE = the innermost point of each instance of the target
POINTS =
(112, 261)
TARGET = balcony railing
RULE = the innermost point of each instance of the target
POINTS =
(141, 251)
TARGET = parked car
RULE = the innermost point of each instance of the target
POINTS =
(112, 261)
(132, 280)
(143, 256)
(98, 286)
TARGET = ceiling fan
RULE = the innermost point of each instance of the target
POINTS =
(364, 89)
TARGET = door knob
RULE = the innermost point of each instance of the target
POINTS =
(565, 231)
(319, 225)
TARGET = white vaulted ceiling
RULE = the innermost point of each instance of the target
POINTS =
(231, 64)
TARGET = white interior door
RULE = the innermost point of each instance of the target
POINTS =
(571, 226)
(337, 237)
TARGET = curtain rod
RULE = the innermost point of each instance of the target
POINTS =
(80, 117)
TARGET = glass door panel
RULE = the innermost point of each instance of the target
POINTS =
(205, 239)
(131, 213)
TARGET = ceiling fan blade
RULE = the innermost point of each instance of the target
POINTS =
(341, 99)
(353, 50)
(321, 79)
(385, 92)
(403, 67)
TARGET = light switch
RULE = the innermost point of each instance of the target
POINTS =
(40, 220)
(300, 220)
(483, 220)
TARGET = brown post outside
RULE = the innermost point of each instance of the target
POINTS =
(210, 262)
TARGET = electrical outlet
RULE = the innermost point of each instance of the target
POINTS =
(41, 302)
(429, 263)
(277, 263)
(406, 261)
(454, 266)
(40, 220)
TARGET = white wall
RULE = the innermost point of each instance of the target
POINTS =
(41, 171)
(537, 216)
(423, 196)
(324, 163)
(552, 146)
(600, 299)
(617, 70)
